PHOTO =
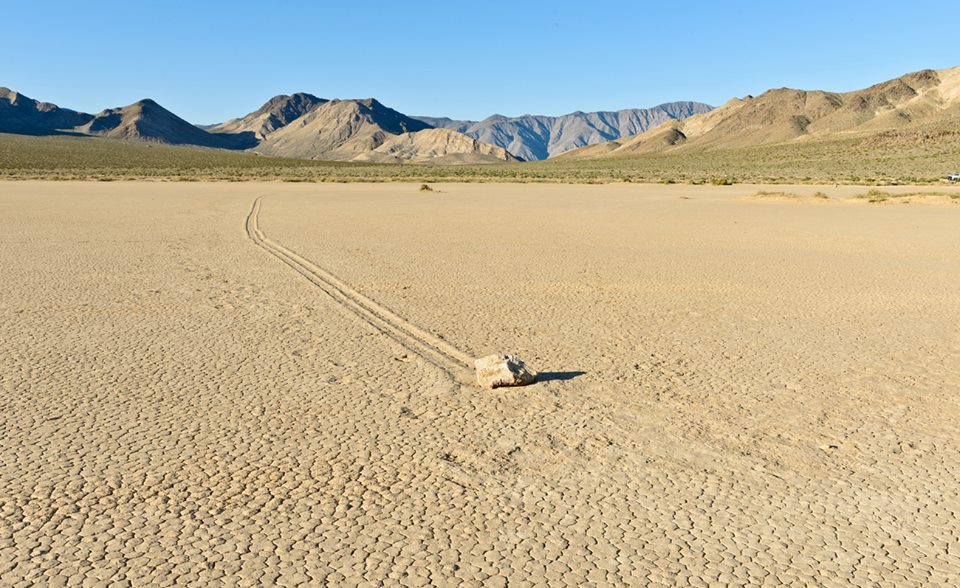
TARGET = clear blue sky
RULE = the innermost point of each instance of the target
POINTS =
(209, 61)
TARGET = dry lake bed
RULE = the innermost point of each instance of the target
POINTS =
(251, 384)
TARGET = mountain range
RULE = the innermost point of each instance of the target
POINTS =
(299, 125)
(920, 109)
(915, 108)
(305, 126)
(533, 137)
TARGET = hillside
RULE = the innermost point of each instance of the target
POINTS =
(304, 126)
(21, 114)
(532, 137)
(339, 130)
(440, 146)
(277, 113)
(914, 108)
(906, 130)
(878, 159)
(300, 125)
(147, 121)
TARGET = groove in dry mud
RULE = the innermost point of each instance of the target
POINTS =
(415, 339)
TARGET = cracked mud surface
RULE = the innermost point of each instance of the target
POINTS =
(741, 393)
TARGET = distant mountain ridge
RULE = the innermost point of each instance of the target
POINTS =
(339, 129)
(145, 120)
(917, 109)
(20, 114)
(909, 109)
(534, 137)
(298, 125)
(275, 114)
(360, 130)
(302, 125)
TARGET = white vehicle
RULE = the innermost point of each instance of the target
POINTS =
(954, 177)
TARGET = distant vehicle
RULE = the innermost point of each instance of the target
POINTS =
(954, 177)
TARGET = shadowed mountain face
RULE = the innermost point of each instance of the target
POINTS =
(533, 137)
(277, 113)
(908, 109)
(20, 114)
(148, 121)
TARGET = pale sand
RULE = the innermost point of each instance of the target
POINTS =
(769, 391)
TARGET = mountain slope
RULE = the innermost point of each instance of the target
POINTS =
(299, 125)
(443, 122)
(20, 114)
(436, 146)
(148, 121)
(925, 101)
(339, 129)
(533, 137)
(275, 114)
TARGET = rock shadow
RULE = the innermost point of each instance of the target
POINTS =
(558, 376)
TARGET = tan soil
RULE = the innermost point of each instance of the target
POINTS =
(197, 390)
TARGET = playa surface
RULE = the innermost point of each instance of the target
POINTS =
(199, 389)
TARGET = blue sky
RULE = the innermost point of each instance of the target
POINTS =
(209, 61)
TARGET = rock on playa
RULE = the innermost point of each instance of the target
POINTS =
(498, 370)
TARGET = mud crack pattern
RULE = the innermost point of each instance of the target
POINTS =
(180, 408)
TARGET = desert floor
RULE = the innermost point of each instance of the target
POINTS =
(198, 389)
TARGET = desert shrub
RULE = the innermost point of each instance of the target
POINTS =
(841, 162)
(769, 194)
(874, 195)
